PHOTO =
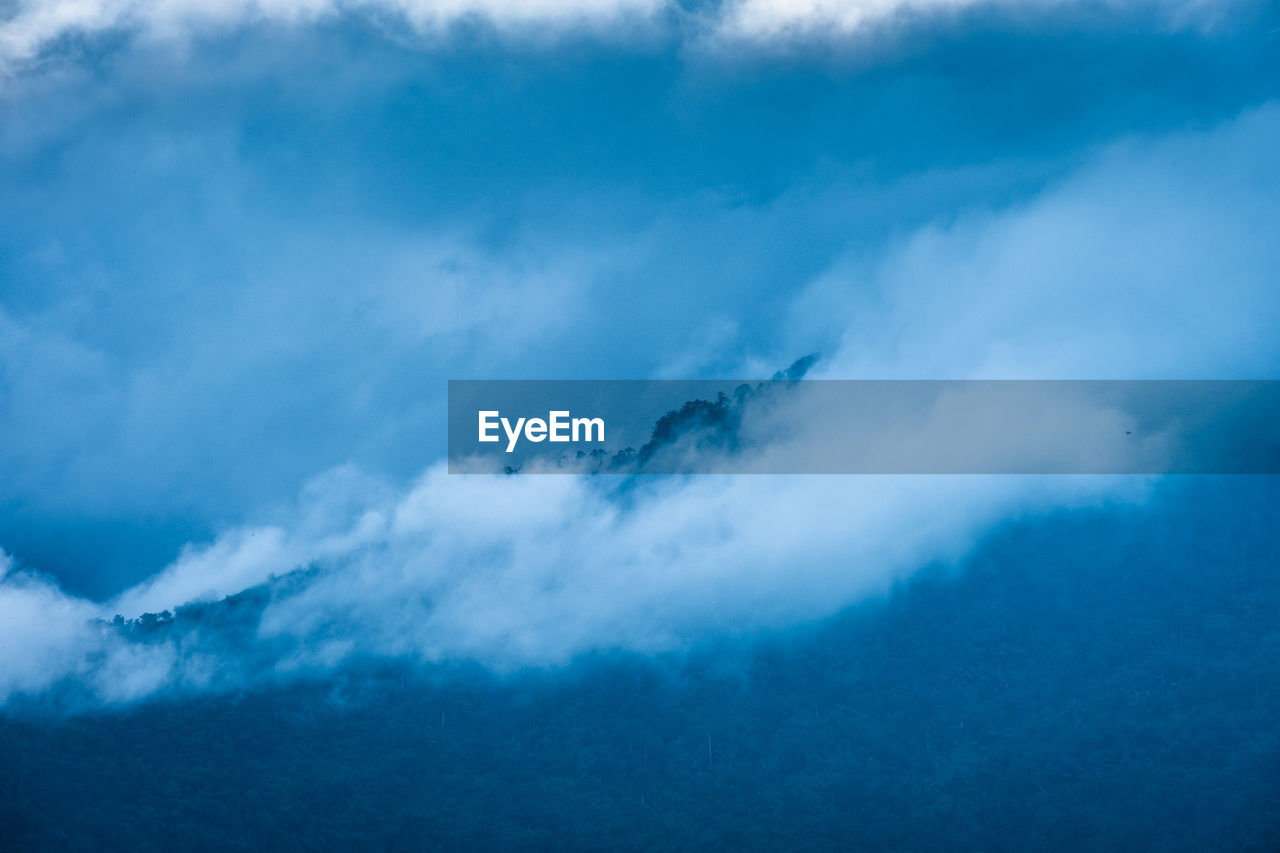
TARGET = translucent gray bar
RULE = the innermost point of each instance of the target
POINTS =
(865, 427)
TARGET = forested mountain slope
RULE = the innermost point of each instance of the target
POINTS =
(1094, 680)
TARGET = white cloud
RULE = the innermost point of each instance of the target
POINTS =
(33, 25)
(1149, 263)
(1136, 266)
(771, 19)
(781, 20)
(520, 571)
(535, 570)
(45, 635)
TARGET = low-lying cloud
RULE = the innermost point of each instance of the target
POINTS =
(526, 571)
(1138, 265)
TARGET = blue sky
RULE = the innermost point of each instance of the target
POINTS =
(242, 247)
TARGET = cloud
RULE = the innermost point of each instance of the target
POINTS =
(1149, 263)
(35, 26)
(780, 20)
(215, 285)
(520, 571)
(188, 415)
(1136, 265)
(774, 19)
(45, 634)
(537, 570)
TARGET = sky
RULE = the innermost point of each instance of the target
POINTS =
(243, 246)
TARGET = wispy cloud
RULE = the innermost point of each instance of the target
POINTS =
(1149, 263)
(780, 20)
(35, 26)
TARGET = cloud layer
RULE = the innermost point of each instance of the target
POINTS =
(1134, 265)
(215, 285)
(33, 27)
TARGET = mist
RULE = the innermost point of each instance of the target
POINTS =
(526, 571)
